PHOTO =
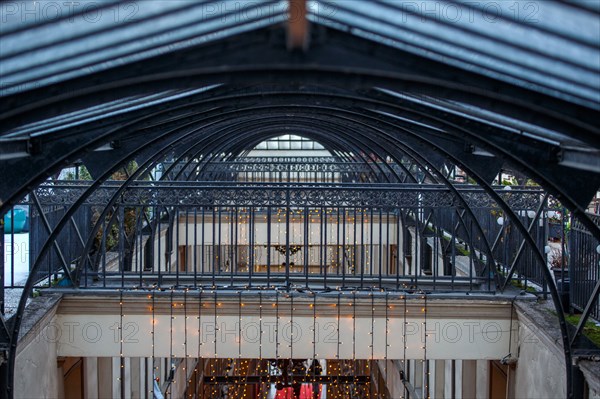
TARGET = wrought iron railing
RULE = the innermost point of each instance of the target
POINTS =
(584, 266)
(490, 227)
(195, 233)
(69, 245)
(402, 237)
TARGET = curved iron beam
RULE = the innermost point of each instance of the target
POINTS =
(504, 98)
(494, 148)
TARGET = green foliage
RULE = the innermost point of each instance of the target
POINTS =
(459, 248)
(462, 251)
(590, 330)
(523, 287)
(112, 238)
(121, 174)
(84, 174)
(509, 181)
(531, 183)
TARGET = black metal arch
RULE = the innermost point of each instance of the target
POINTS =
(256, 128)
(363, 145)
(363, 117)
(269, 126)
(307, 130)
(474, 138)
(447, 183)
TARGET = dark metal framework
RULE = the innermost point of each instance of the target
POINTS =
(398, 116)
(211, 194)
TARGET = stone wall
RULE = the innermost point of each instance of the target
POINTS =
(540, 369)
(37, 374)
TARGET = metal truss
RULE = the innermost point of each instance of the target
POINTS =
(306, 165)
(288, 161)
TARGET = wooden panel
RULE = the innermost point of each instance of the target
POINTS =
(498, 374)
(73, 378)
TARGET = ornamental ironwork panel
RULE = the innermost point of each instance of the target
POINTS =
(516, 199)
(327, 167)
(256, 166)
(290, 160)
(166, 193)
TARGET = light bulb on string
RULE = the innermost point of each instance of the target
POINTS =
(152, 323)
(425, 361)
(185, 318)
(171, 355)
(120, 328)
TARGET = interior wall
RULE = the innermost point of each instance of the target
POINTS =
(540, 368)
(37, 374)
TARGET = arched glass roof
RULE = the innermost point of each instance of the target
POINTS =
(289, 143)
(403, 91)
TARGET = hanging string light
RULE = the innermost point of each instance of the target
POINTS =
(341, 387)
(246, 368)
(214, 362)
(121, 376)
(292, 311)
(278, 380)
(260, 333)
(152, 334)
(185, 348)
(239, 336)
(171, 355)
(314, 330)
(199, 357)
(356, 393)
(425, 360)
(404, 331)
(289, 295)
(230, 366)
(372, 333)
(240, 304)
(387, 332)
(337, 355)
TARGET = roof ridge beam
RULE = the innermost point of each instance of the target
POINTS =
(298, 26)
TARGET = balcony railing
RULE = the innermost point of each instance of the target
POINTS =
(400, 237)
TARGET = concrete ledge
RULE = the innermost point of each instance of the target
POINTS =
(537, 317)
(363, 306)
